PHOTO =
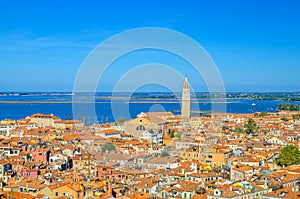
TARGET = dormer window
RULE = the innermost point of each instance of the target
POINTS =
(217, 192)
(282, 194)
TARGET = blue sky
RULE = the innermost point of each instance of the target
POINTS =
(255, 44)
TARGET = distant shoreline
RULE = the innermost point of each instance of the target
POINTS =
(149, 96)
(134, 102)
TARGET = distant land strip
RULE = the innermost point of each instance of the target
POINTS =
(134, 102)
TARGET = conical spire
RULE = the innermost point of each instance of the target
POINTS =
(186, 83)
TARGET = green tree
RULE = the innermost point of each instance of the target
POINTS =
(178, 135)
(284, 119)
(250, 127)
(121, 120)
(288, 155)
(296, 117)
(172, 134)
(239, 130)
(265, 132)
(288, 107)
(108, 146)
(262, 114)
(164, 154)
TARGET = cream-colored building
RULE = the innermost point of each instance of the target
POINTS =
(147, 121)
(43, 120)
(69, 124)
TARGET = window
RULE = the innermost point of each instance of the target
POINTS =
(56, 193)
(140, 128)
(209, 156)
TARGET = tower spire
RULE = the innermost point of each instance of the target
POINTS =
(186, 83)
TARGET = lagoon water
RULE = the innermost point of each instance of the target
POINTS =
(20, 106)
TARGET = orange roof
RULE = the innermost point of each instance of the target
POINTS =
(107, 131)
(39, 115)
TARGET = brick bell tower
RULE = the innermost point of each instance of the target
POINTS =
(186, 101)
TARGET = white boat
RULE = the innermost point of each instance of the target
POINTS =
(253, 104)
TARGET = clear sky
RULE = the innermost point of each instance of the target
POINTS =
(255, 43)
